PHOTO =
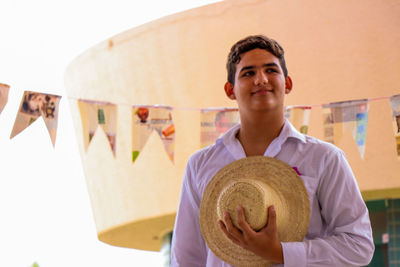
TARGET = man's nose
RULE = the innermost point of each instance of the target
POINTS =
(260, 78)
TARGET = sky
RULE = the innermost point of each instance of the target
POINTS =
(45, 213)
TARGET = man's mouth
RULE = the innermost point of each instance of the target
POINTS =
(262, 92)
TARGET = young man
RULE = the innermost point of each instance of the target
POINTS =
(339, 233)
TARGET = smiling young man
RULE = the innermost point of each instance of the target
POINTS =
(339, 233)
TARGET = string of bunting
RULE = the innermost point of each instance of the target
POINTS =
(338, 117)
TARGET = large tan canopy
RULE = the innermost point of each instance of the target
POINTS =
(335, 51)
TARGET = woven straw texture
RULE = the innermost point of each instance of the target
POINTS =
(255, 183)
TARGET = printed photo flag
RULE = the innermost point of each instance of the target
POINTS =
(33, 106)
(4, 89)
(95, 114)
(328, 124)
(395, 105)
(347, 115)
(149, 118)
(299, 117)
(214, 122)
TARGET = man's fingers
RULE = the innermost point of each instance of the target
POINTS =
(231, 237)
(231, 228)
(271, 218)
(246, 229)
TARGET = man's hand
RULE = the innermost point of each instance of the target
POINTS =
(264, 243)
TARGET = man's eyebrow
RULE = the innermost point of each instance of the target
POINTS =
(273, 64)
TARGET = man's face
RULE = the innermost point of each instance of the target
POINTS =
(259, 82)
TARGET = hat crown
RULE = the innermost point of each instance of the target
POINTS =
(255, 198)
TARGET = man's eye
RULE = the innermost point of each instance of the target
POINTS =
(270, 70)
(248, 73)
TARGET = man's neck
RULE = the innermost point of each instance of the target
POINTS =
(258, 131)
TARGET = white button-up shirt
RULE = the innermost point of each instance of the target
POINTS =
(340, 230)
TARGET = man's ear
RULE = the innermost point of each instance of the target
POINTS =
(288, 85)
(229, 90)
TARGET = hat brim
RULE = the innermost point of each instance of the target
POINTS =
(282, 179)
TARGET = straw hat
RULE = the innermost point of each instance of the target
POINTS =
(255, 183)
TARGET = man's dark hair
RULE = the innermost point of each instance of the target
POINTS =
(250, 43)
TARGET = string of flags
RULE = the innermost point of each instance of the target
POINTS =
(338, 117)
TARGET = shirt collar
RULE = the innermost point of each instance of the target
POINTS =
(233, 145)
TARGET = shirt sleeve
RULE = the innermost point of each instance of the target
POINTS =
(347, 237)
(188, 246)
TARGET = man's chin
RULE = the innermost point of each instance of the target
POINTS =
(269, 109)
(269, 106)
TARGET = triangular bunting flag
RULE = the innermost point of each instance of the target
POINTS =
(347, 115)
(95, 114)
(145, 119)
(329, 135)
(395, 105)
(4, 89)
(299, 116)
(214, 122)
(34, 105)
